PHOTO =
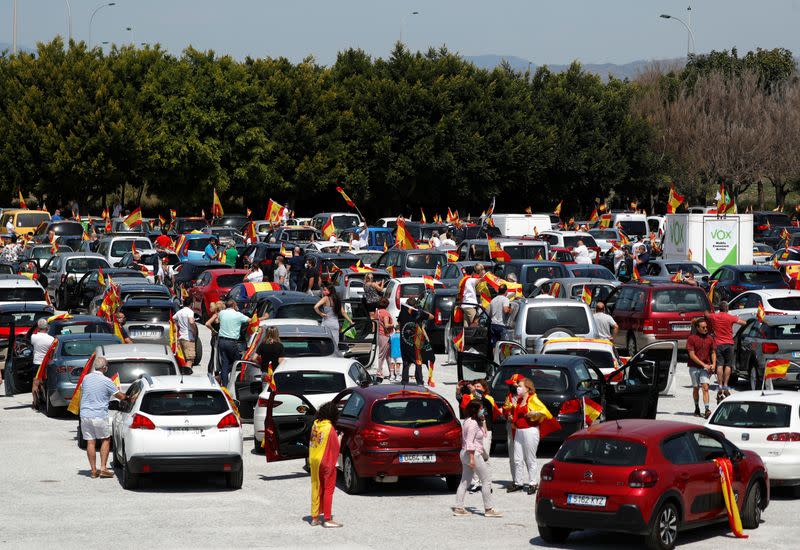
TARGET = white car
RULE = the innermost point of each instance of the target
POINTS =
(114, 248)
(318, 379)
(776, 301)
(399, 290)
(15, 289)
(177, 424)
(603, 237)
(569, 240)
(333, 247)
(767, 423)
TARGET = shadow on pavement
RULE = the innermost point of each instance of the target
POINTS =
(295, 475)
(603, 539)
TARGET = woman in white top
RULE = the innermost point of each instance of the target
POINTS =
(255, 275)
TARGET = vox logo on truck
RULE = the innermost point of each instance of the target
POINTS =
(721, 234)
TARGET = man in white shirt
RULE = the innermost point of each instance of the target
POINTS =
(607, 328)
(581, 254)
(280, 274)
(435, 242)
(10, 229)
(41, 342)
(187, 333)
(447, 240)
(469, 300)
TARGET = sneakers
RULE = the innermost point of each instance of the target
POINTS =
(330, 524)
(532, 489)
(720, 397)
(492, 513)
(314, 522)
(697, 411)
(707, 414)
(460, 512)
(474, 488)
(513, 488)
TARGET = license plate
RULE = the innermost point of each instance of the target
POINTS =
(184, 431)
(145, 334)
(586, 500)
(418, 458)
(682, 328)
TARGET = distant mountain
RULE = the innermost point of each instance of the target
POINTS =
(626, 70)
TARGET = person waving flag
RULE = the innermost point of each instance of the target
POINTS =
(22, 204)
(674, 201)
(216, 207)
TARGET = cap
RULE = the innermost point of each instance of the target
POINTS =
(515, 378)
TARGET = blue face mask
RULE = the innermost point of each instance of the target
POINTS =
(479, 393)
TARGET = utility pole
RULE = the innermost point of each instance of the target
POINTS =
(14, 29)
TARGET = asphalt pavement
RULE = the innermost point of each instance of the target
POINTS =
(48, 499)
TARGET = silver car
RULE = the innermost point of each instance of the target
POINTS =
(544, 316)
(757, 343)
(67, 269)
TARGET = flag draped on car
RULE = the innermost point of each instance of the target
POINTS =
(404, 239)
(726, 481)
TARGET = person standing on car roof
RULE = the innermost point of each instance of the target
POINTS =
(722, 326)
(702, 362)
(41, 342)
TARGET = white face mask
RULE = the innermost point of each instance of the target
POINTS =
(520, 390)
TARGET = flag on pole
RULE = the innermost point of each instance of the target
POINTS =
(252, 325)
(75, 401)
(605, 221)
(250, 232)
(777, 368)
(678, 277)
(22, 204)
(41, 372)
(328, 230)
(594, 216)
(689, 255)
(557, 209)
(452, 255)
(674, 200)
(496, 252)
(555, 290)
(216, 207)
(711, 287)
(438, 273)
(636, 277)
(760, 314)
(269, 378)
(428, 280)
(115, 379)
(404, 240)
(423, 216)
(177, 349)
(347, 199)
(274, 211)
(586, 295)
(134, 219)
(172, 214)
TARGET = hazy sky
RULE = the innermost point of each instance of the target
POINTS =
(552, 31)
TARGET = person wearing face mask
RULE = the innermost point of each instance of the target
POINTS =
(478, 390)
(507, 411)
(529, 412)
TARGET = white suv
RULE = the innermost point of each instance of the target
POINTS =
(177, 424)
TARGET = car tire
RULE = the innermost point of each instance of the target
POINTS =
(129, 480)
(631, 347)
(751, 511)
(553, 535)
(556, 330)
(664, 530)
(755, 377)
(353, 484)
(58, 301)
(81, 440)
(235, 479)
(452, 482)
(49, 410)
(198, 352)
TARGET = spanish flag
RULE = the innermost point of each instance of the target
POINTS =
(134, 219)
(785, 235)
(216, 207)
(725, 478)
(101, 278)
(328, 230)
(85, 237)
(438, 273)
(760, 313)
(605, 221)
(423, 216)
(428, 280)
(161, 220)
(674, 200)
(404, 240)
(557, 209)
(134, 250)
(678, 277)
(53, 246)
(636, 277)
(711, 291)
(118, 330)
(555, 290)
(586, 295)
(451, 216)
(22, 204)
(539, 256)
(458, 341)
(41, 372)
(623, 238)
(274, 211)
(175, 345)
(250, 232)
(496, 252)
(231, 401)
(593, 217)
(75, 401)
(591, 410)
(105, 215)
(385, 246)
(777, 368)
(269, 378)
(452, 255)
(59, 317)
(284, 252)
(347, 199)
(115, 379)
(549, 424)
(252, 325)
(172, 214)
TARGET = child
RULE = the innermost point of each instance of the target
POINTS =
(396, 360)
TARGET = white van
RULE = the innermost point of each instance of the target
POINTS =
(520, 225)
(633, 225)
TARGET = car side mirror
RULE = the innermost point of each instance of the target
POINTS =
(704, 278)
(186, 371)
(113, 405)
(738, 456)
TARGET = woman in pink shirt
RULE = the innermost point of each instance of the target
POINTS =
(473, 460)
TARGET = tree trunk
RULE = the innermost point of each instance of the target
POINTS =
(760, 186)
(780, 192)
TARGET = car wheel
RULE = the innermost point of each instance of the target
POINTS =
(198, 352)
(129, 479)
(553, 535)
(353, 484)
(632, 347)
(49, 410)
(452, 482)
(664, 531)
(755, 377)
(81, 440)
(751, 512)
(58, 301)
(234, 480)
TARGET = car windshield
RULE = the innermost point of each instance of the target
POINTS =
(545, 379)
(187, 226)
(603, 451)
(309, 382)
(82, 265)
(22, 318)
(572, 241)
(697, 269)
(424, 261)
(790, 303)
(762, 277)
(307, 346)
(525, 252)
(81, 328)
(152, 314)
(752, 414)
(297, 311)
(199, 244)
(601, 359)
(593, 273)
(22, 294)
(411, 412)
(781, 220)
(184, 403)
(680, 299)
(631, 227)
(118, 248)
(533, 274)
(599, 292)
(605, 234)
(41, 252)
(130, 371)
(345, 221)
(784, 332)
(298, 234)
(542, 319)
(227, 281)
(80, 348)
(30, 220)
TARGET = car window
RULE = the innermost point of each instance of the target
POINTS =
(310, 382)
(752, 414)
(726, 275)
(762, 277)
(783, 332)
(604, 451)
(424, 261)
(412, 290)
(790, 303)
(624, 300)
(153, 314)
(541, 319)
(354, 406)
(82, 265)
(22, 294)
(82, 328)
(697, 269)
(534, 273)
(411, 412)
(600, 358)
(739, 302)
(679, 450)
(184, 403)
(680, 299)
(708, 446)
(79, 348)
(753, 301)
(638, 300)
(302, 346)
(130, 371)
(548, 379)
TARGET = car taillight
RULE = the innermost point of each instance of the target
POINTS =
(737, 288)
(784, 436)
(406, 274)
(228, 421)
(437, 316)
(374, 437)
(642, 478)
(762, 227)
(140, 422)
(769, 347)
(647, 327)
(548, 472)
(570, 406)
(262, 402)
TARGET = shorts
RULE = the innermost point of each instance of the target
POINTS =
(189, 351)
(397, 359)
(95, 428)
(469, 314)
(725, 355)
(699, 376)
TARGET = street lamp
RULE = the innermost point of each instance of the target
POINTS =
(688, 29)
(98, 8)
(403, 23)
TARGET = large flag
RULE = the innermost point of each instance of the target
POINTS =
(594, 216)
(557, 209)
(674, 201)
(41, 373)
(711, 291)
(328, 230)
(274, 211)
(177, 349)
(252, 325)
(347, 199)
(777, 368)
(75, 401)
(458, 341)
(404, 239)
(496, 252)
(586, 295)
(134, 219)
(22, 200)
(591, 410)
(216, 207)
(549, 424)
(725, 478)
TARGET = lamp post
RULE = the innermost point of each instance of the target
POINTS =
(403, 23)
(690, 39)
(91, 19)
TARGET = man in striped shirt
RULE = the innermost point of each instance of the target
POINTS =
(96, 391)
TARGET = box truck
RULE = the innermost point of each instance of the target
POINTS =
(519, 225)
(712, 240)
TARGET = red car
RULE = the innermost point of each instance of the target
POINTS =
(648, 477)
(211, 286)
(388, 431)
(649, 312)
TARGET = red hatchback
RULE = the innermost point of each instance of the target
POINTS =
(388, 431)
(211, 286)
(648, 477)
(649, 312)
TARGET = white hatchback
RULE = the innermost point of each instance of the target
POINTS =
(767, 423)
(399, 290)
(774, 301)
(177, 424)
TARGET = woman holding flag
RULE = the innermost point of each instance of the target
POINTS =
(323, 451)
(529, 414)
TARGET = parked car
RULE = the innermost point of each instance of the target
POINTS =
(604, 237)
(590, 271)
(647, 313)
(349, 282)
(185, 225)
(234, 221)
(15, 321)
(132, 288)
(61, 228)
(186, 273)
(735, 279)
(63, 270)
(115, 247)
(764, 221)
(646, 477)
(569, 240)
(517, 249)
(377, 238)
(177, 424)
(19, 289)
(84, 290)
(293, 234)
(762, 253)
(24, 221)
(572, 288)
(440, 302)
(211, 286)
(286, 304)
(774, 302)
(778, 337)
(767, 424)
(388, 432)
(528, 272)
(411, 263)
(147, 320)
(40, 253)
(399, 290)
(774, 236)
(246, 295)
(341, 220)
(544, 316)
(662, 271)
(193, 246)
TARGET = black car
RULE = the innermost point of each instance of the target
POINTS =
(453, 272)
(234, 221)
(263, 254)
(286, 304)
(422, 232)
(15, 321)
(80, 293)
(134, 290)
(326, 263)
(765, 221)
(186, 273)
(773, 236)
(528, 272)
(440, 303)
(147, 320)
(474, 232)
(184, 225)
(62, 228)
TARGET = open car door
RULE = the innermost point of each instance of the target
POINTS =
(634, 391)
(361, 338)
(288, 426)
(472, 366)
(504, 349)
(245, 383)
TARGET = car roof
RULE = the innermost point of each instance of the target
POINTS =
(294, 329)
(329, 364)
(444, 291)
(535, 263)
(24, 307)
(78, 320)
(143, 285)
(572, 342)
(769, 396)
(101, 337)
(81, 255)
(135, 300)
(774, 292)
(182, 383)
(533, 359)
(17, 281)
(414, 280)
(382, 391)
(638, 429)
(138, 351)
(576, 281)
(576, 267)
(747, 267)
(285, 296)
(545, 300)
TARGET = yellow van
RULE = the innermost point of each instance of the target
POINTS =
(25, 221)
